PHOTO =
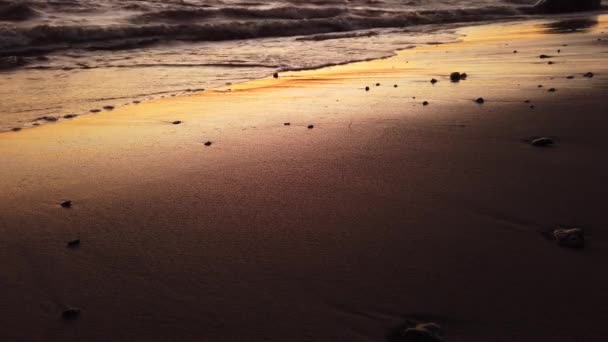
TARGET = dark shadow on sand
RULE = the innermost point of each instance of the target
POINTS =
(572, 25)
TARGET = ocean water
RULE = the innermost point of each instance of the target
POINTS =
(61, 57)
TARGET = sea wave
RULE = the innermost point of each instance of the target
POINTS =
(22, 40)
(16, 11)
(240, 13)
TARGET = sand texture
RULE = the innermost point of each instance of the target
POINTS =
(385, 210)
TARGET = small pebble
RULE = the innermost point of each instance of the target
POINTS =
(423, 332)
(550, 63)
(275, 75)
(464, 76)
(540, 85)
(95, 110)
(544, 56)
(48, 118)
(572, 238)
(395, 86)
(425, 103)
(514, 51)
(542, 142)
(108, 107)
(433, 81)
(532, 107)
(16, 129)
(287, 124)
(377, 84)
(570, 77)
(311, 126)
(552, 90)
(208, 143)
(177, 122)
(71, 313)
(455, 77)
(589, 75)
(70, 116)
(366, 88)
(74, 243)
(480, 100)
(66, 204)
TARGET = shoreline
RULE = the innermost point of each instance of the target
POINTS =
(80, 109)
(385, 210)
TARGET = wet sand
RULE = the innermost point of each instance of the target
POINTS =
(386, 210)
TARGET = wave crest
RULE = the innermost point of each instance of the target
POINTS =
(286, 22)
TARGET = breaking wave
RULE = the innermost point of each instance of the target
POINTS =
(227, 24)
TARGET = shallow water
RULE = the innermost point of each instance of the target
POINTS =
(76, 56)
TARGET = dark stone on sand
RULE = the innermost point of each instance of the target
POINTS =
(208, 143)
(455, 77)
(559, 51)
(540, 85)
(545, 56)
(532, 107)
(74, 243)
(395, 86)
(480, 100)
(463, 76)
(70, 116)
(108, 107)
(275, 75)
(527, 101)
(95, 110)
(425, 103)
(542, 142)
(366, 88)
(552, 90)
(377, 84)
(16, 129)
(550, 63)
(287, 124)
(177, 122)
(47, 118)
(71, 313)
(514, 51)
(589, 75)
(433, 81)
(66, 204)
(572, 237)
(422, 332)
(311, 126)
(570, 77)
(136, 102)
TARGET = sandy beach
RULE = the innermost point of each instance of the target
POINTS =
(385, 210)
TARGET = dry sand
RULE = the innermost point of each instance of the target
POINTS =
(385, 210)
